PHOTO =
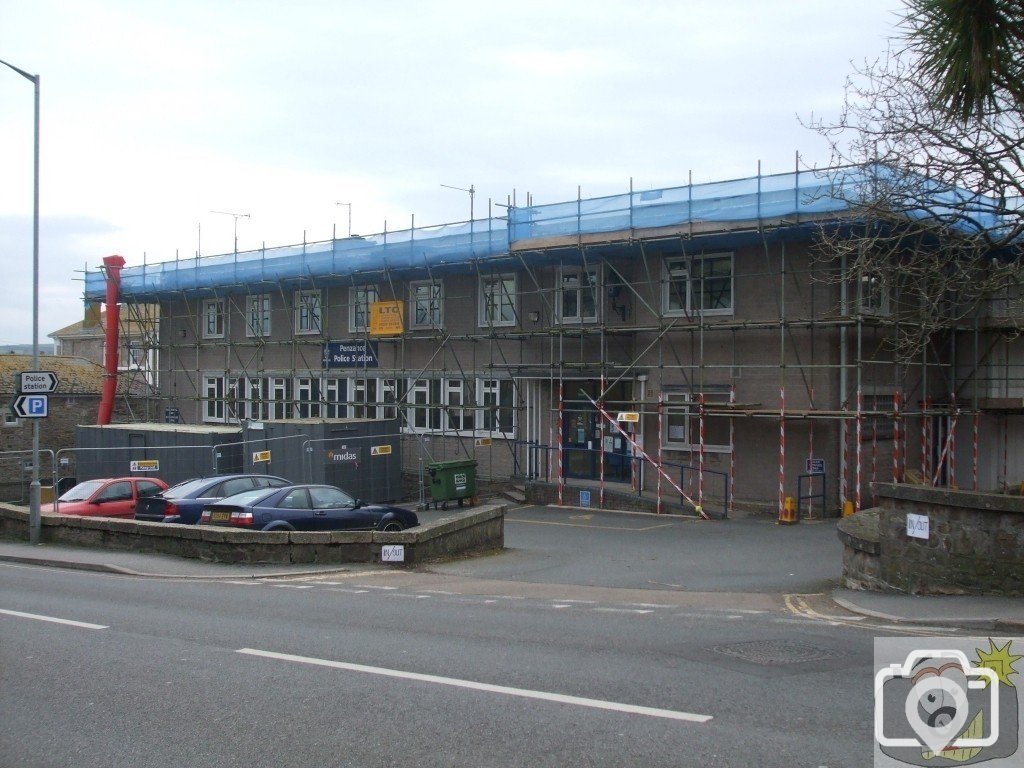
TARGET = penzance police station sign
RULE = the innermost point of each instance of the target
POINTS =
(354, 353)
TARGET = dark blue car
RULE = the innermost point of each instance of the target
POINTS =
(184, 502)
(305, 508)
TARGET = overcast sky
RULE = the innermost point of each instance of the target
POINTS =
(155, 114)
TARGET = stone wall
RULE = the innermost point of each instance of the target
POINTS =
(478, 530)
(975, 543)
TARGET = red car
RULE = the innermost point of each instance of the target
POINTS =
(113, 497)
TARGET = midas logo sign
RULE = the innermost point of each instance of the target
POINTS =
(386, 318)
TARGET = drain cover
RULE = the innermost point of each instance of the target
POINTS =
(769, 652)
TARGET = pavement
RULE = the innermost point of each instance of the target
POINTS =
(1000, 614)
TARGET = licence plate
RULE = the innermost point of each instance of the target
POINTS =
(220, 517)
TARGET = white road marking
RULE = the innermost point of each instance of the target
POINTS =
(348, 591)
(372, 586)
(560, 698)
(69, 622)
(439, 592)
(622, 610)
(292, 586)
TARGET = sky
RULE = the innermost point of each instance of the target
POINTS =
(161, 119)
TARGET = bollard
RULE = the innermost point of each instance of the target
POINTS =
(847, 508)
(787, 515)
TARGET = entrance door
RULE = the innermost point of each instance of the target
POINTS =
(582, 439)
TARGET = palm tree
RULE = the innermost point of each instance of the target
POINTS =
(971, 53)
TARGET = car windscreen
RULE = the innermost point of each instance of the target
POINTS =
(186, 489)
(82, 491)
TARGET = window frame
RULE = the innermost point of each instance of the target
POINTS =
(488, 307)
(258, 306)
(594, 286)
(308, 320)
(670, 292)
(875, 301)
(359, 303)
(215, 319)
(689, 404)
(434, 304)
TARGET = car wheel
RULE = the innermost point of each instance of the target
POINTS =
(392, 526)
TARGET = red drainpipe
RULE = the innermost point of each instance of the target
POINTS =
(113, 266)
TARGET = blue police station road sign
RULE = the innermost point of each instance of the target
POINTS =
(31, 406)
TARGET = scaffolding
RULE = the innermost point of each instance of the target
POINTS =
(700, 309)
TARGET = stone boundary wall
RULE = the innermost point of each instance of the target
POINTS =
(975, 543)
(478, 530)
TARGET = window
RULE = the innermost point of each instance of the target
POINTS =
(335, 397)
(10, 420)
(498, 398)
(250, 400)
(213, 398)
(213, 319)
(699, 284)
(360, 298)
(257, 314)
(426, 300)
(457, 394)
(497, 300)
(424, 399)
(307, 397)
(280, 398)
(872, 295)
(364, 398)
(682, 421)
(577, 296)
(307, 312)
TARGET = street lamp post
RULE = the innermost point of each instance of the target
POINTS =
(34, 522)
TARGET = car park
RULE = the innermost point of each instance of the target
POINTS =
(108, 497)
(305, 508)
(184, 502)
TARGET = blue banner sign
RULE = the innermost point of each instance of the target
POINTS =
(355, 353)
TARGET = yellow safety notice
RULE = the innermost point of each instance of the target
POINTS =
(380, 450)
(629, 416)
(145, 465)
(483, 441)
(260, 456)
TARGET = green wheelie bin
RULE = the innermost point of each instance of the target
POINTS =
(452, 481)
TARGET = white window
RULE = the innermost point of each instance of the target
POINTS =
(576, 300)
(872, 295)
(280, 406)
(426, 299)
(213, 319)
(257, 314)
(250, 400)
(458, 396)
(424, 400)
(307, 397)
(335, 398)
(393, 392)
(364, 399)
(698, 284)
(10, 420)
(307, 312)
(360, 298)
(498, 300)
(213, 398)
(682, 421)
(497, 396)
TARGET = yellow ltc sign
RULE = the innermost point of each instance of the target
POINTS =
(386, 318)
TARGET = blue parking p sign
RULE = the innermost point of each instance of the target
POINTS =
(30, 406)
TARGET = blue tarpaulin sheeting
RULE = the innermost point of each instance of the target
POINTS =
(438, 249)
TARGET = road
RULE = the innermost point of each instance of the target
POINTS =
(476, 663)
